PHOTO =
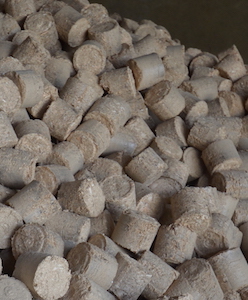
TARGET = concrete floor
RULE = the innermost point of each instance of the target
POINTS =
(211, 25)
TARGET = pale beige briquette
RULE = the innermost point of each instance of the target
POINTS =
(147, 70)
(92, 138)
(33, 237)
(135, 231)
(17, 167)
(103, 224)
(231, 269)
(34, 203)
(193, 160)
(84, 197)
(51, 176)
(95, 13)
(46, 276)
(74, 30)
(93, 262)
(19, 11)
(174, 244)
(14, 289)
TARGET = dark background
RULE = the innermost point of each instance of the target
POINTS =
(210, 25)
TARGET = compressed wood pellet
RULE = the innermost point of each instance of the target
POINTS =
(165, 187)
(142, 167)
(11, 221)
(51, 176)
(218, 108)
(93, 262)
(141, 133)
(241, 87)
(112, 111)
(135, 231)
(19, 10)
(90, 55)
(30, 85)
(92, 138)
(119, 192)
(162, 275)
(197, 278)
(34, 203)
(73, 31)
(46, 276)
(9, 26)
(131, 278)
(234, 103)
(232, 66)
(95, 13)
(31, 53)
(82, 288)
(205, 59)
(174, 128)
(177, 170)
(81, 91)
(220, 235)
(9, 101)
(50, 93)
(10, 63)
(175, 243)
(101, 168)
(62, 110)
(103, 224)
(164, 100)
(14, 289)
(105, 243)
(190, 207)
(34, 137)
(36, 238)
(192, 159)
(122, 141)
(209, 129)
(17, 167)
(5, 193)
(205, 88)
(124, 87)
(140, 66)
(108, 34)
(58, 70)
(148, 202)
(203, 71)
(240, 214)
(225, 204)
(84, 197)
(73, 228)
(8, 136)
(18, 116)
(67, 154)
(230, 268)
(233, 182)
(53, 6)
(165, 147)
(43, 23)
(221, 155)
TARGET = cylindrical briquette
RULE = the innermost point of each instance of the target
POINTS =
(74, 30)
(46, 276)
(174, 244)
(147, 70)
(164, 100)
(17, 167)
(14, 289)
(8, 136)
(34, 203)
(51, 176)
(33, 237)
(18, 10)
(119, 192)
(103, 224)
(93, 262)
(84, 197)
(135, 231)
(146, 167)
(92, 138)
